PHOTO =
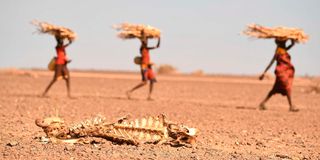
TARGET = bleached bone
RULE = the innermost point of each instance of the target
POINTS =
(155, 130)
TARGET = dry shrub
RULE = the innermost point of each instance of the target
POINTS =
(258, 31)
(129, 31)
(314, 88)
(198, 73)
(166, 69)
(17, 72)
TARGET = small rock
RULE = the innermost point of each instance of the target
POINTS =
(283, 156)
(44, 140)
(260, 144)
(12, 143)
(69, 148)
(295, 158)
(96, 145)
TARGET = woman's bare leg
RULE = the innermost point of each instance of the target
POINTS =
(57, 73)
(262, 104)
(135, 88)
(150, 90)
(66, 77)
(68, 86)
(49, 86)
(292, 108)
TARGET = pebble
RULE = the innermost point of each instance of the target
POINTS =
(12, 143)
(69, 148)
(44, 140)
(283, 156)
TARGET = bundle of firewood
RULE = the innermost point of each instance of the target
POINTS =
(283, 33)
(129, 31)
(57, 31)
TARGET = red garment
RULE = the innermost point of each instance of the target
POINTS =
(149, 74)
(284, 73)
(145, 57)
(61, 55)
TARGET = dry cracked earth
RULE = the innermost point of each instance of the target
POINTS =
(222, 108)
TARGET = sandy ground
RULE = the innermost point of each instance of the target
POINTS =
(222, 108)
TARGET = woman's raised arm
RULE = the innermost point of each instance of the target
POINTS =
(291, 45)
(157, 46)
(70, 41)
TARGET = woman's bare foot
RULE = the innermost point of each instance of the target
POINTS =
(149, 98)
(71, 97)
(128, 93)
(43, 95)
(262, 107)
(293, 109)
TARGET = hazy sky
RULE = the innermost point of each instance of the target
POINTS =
(196, 34)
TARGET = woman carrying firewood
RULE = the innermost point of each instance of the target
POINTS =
(284, 70)
(61, 62)
(145, 66)
(284, 73)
